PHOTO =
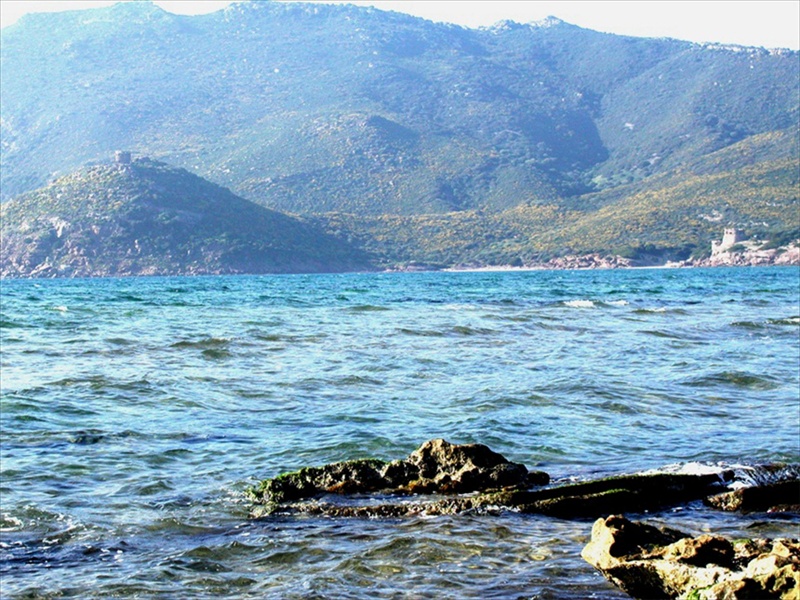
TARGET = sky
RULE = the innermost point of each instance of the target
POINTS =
(767, 23)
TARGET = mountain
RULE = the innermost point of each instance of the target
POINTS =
(146, 218)
(518, 141)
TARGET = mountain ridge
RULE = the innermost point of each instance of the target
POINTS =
(341, 114)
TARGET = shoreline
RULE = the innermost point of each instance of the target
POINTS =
(781, 257)
(456, 269)
(511, 269)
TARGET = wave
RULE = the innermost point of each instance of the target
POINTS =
(358, 380)
(367, 308)
(785, 321)
(749, 325)
(662, 334)
(756, 325)
(456, 330)
(205, 343)
(287, 338)
(579, 303)
(216, 353)
(584, 303)
(738, 379)
(6, 324)
(319, 384)
(464, 330)
(420, 332)
(97, 382)
(744, 475)
(660, 310)
(123, 297)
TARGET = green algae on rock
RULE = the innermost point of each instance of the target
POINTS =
(475, 478)
(352, 476)
(625, 493)
(436, 467)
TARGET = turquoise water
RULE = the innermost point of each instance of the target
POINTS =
(135, 412)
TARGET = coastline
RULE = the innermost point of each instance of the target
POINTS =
(783, 256)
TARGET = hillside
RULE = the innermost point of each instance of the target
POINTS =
(146, 218)
(675, 220)
(418, 140)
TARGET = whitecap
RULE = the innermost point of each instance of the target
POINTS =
(579, 303)
(692, 468)
(10, 523)
(743, 475)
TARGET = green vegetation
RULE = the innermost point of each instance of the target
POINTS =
(676, 221)
(148, 218)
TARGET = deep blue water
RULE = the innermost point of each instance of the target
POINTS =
(136, 411)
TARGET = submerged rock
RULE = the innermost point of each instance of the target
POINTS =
(649, 562)
(435, 467)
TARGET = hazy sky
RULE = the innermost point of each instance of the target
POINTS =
(769, 23)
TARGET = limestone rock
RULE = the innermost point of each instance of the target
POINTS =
(439, 466)
(648, 562)
(435, 467)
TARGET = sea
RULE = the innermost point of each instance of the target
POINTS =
(136, 413)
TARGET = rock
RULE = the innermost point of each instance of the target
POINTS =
(649, 562)
(780, 496)
(349, 477)
(588, 261)
(435, 467)
(439, 466)
(702, 551)
(624, 493)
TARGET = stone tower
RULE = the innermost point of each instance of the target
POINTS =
(730, 237)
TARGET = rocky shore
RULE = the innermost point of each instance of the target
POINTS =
(443, 478)
(783, 256)
(787, 255)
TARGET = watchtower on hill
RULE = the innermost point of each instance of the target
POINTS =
(122, 157)
(730, 237)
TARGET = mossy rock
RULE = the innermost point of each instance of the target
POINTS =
(353, 476)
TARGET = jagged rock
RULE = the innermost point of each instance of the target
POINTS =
(435, 467)
(781, 496)
(648, 562)
(439, 466)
